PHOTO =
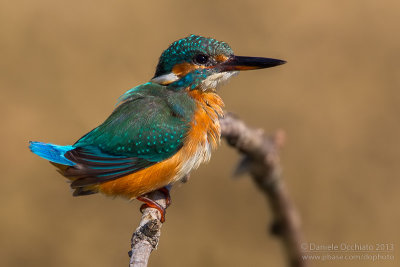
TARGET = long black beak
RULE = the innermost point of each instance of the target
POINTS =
(250, 63)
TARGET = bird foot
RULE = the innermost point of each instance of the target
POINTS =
(165, 191)
(149, 203)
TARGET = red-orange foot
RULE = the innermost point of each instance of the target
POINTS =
(152, 204)
(149, 203)
(165, 191)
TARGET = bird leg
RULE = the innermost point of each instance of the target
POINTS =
(149, 203)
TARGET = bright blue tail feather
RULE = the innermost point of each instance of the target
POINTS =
(53, 153)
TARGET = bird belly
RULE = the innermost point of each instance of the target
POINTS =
(143, 181)
(159, 174)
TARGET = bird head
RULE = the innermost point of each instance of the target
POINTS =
(203, 63)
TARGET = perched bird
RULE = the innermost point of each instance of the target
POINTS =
(160, 130)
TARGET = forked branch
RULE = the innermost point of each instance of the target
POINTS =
(261, 159)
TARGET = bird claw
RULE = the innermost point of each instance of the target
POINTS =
(149, 203)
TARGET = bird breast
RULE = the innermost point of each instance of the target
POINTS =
(204, 134)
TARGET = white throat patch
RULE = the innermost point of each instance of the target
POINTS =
(216, 79)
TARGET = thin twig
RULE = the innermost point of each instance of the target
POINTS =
(261, 159)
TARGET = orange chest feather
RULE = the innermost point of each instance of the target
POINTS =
(203, 135)
(205, 124)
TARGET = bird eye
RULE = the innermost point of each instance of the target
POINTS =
(201, 59)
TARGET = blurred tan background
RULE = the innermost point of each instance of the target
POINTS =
(63, 65)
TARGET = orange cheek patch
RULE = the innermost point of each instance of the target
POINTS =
(221, 58)
(182, 69)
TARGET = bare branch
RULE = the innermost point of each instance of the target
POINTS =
(147, 235)
(261, 159)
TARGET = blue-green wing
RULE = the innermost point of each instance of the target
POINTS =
(143, 130)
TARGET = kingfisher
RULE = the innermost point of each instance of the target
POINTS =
(159, 130)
